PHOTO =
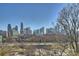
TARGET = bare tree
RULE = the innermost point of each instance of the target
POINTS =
(69, 20)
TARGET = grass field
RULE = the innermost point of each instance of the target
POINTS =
(36, 50)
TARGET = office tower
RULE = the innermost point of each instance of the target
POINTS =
(1, 32)
(39, 31)
(15, 32)
(42, 31)
(2, 35)
(21, 28)
(9, 30)
(36, 32)
(50, 31)
(27, 31)
(16, 28)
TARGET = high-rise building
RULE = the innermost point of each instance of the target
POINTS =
(15, 32)
(42, 31)
(50, 31)
(36, 32)
(16, 28)
(39, 31)
(2, 35)
(9, 30)
(21, 28)
(27, 31)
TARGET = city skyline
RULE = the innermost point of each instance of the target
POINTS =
(32, 15)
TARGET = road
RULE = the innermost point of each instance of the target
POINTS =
(34, 43)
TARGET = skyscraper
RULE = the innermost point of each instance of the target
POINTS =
(50, 31)
(27, 31)
(9, 30)
(21, 28)
(36, 32)
(15, 32)
(16, 28)
(42, 31)
(39, 31)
